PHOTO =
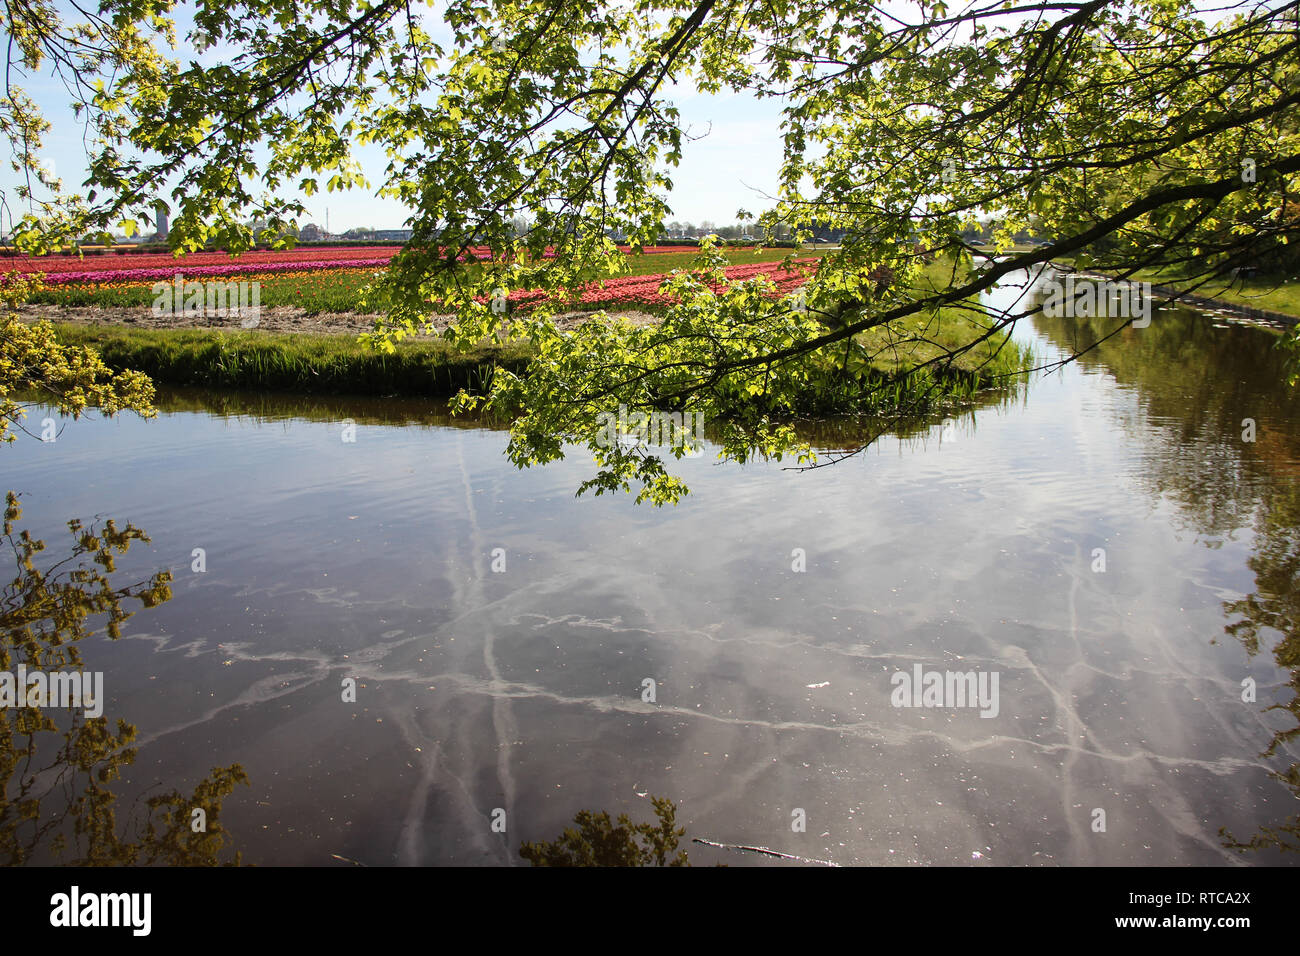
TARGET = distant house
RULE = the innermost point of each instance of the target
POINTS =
(401, 235)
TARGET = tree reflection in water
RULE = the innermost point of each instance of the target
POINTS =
(1275, 605)
(57, 765)
(600, 841)
(1197, 383)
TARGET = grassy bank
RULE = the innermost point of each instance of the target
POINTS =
(337, 364)
(910, 342)
(928, 337)
(915, 364)
(1272, 293)
(301, 363)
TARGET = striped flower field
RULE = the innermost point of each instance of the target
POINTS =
(643, 291)
(332, 280)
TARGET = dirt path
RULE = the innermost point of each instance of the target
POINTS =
(279, 319)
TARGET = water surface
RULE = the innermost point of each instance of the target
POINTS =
(970, 548)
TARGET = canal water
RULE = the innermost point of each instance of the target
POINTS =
(1112, 554)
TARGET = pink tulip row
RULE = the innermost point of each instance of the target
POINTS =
(149, 267)
(195, 272)
(257, 260)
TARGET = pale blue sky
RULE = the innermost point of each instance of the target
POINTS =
(739, 153)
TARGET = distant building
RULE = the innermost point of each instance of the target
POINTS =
(401, 235)
(827, 234)
(161, 216)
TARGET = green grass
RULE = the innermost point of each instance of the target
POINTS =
(910, 367)
(925, 337)
(302, 363)
(1273, 294)
(913, 341)
(664, 262)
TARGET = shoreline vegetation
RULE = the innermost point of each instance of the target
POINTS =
(336, 364)
(330, 360)
(1270, 298)
(294, 362)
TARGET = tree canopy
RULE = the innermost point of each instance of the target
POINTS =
(1158, 133)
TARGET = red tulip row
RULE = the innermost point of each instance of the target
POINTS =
(644, 290)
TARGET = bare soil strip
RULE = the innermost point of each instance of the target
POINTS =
(279, 319)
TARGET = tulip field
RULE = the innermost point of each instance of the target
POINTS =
(331, 280)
